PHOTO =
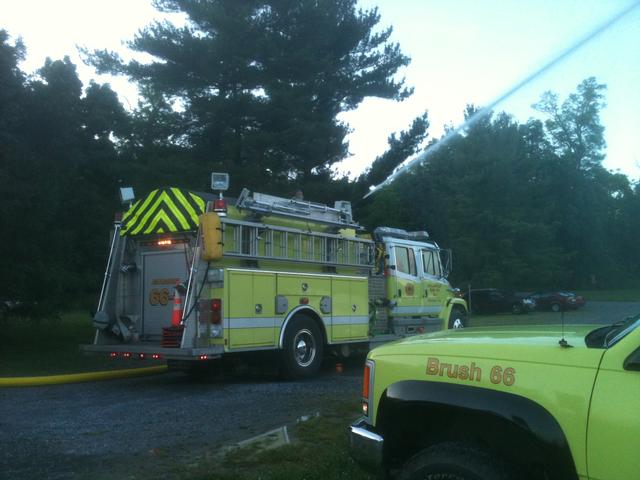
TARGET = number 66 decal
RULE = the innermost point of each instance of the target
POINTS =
(159, 296)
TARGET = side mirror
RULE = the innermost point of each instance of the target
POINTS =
(632, 362)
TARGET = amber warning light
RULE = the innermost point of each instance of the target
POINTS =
(365, 389)
(164, 243)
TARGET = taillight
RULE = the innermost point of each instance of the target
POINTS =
(216, 311)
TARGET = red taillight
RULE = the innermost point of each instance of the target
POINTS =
(203, 357)
(365, 381)
(304, 300)
(220, 205)
(216, 311)
(117, 217)
(156, 356)
(113, 354)
(142, 356)
(126, 355)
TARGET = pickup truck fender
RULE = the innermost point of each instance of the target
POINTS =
(423, 413)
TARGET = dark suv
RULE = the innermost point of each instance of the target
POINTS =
(492, 300)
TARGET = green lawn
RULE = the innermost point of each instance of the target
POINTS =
(49, 347)
(318, 451)
(534, 318)
(626, 295)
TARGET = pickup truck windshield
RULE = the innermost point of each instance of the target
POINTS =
(609, 335)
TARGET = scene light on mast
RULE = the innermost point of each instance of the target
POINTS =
(127, 196)
(220, 183)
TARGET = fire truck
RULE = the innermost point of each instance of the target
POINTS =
(195, 277)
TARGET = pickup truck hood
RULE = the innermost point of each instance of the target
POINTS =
(537, 344)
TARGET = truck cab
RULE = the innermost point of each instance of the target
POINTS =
(417, 285)
(504, 403)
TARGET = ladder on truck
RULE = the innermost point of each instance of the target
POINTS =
(256, 240)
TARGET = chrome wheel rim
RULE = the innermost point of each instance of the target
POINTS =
(458, 323)
(304, 348)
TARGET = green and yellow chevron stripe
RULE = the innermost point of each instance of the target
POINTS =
(164, 210)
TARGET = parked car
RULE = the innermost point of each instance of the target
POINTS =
(558, 300)
(492, 300)
(579, 299)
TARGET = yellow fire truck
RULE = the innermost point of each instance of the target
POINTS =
(194, 277)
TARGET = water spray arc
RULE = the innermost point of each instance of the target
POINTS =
(421, 158)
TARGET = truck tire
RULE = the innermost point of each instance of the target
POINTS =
(457, 318)
(556, 307)
(453, 461)
(302, 348)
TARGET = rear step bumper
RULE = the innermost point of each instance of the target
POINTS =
(165, 353)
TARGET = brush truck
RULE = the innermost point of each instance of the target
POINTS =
(504, 403)
(192, 278)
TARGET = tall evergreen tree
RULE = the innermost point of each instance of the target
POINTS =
(262, 82)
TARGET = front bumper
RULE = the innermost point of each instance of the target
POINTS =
(365, 446)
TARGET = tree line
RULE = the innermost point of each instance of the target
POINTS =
(255, 89)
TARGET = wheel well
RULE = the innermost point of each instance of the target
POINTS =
(304, 313)
(411, 426)
(456, 303)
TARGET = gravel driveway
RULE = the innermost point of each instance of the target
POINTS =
(148, 427)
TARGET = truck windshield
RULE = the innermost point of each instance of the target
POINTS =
(609, 335)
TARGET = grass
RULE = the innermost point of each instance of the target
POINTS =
(626, 295)
(50, 347)
(319, 451)
(534, 318)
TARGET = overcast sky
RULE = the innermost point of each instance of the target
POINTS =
(463, 51)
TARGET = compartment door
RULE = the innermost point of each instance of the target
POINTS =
(350, 316)
(251, 319)
(341, 309)
(359, 299)
(161, 272)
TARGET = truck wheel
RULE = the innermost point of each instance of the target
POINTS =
(303, 348)
(555, 307)
(457, 318)
(453, 461)
(516, 308)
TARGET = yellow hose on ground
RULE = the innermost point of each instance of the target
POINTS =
(80, 377)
